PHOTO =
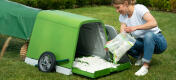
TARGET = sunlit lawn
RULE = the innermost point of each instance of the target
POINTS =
(162, 65)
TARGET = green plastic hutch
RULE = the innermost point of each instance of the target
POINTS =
(67, 36)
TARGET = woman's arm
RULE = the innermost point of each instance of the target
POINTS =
(122, 27)
(150, 23)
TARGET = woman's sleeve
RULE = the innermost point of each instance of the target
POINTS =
(141, 10)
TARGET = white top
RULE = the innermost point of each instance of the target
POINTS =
(137, 19)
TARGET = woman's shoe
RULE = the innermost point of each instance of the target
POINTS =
(142, 71)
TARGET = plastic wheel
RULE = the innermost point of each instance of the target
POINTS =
(47, 62)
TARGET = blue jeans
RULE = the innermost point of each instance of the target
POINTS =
(151, 43)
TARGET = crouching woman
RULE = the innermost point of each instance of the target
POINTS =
(137, 20)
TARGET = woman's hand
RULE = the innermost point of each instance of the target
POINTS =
(130, 29)
(107, 43)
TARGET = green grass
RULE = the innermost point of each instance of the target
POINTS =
(162, 65)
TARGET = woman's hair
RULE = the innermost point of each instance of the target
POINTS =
(130, 2)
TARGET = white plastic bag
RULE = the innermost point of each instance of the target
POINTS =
(120, 45)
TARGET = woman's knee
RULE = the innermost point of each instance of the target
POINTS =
(149, 35)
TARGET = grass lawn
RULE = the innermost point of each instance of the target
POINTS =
(162, 65)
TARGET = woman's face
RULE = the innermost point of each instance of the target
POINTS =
(120, 8)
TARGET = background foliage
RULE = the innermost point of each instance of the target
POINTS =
(164, 5)
(62, 4)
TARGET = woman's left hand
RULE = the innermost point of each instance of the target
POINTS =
(130, 29)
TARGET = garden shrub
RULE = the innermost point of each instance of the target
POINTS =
(144, 2)
(166, 5)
